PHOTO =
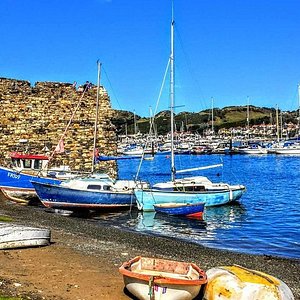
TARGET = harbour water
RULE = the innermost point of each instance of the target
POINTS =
(265, 222)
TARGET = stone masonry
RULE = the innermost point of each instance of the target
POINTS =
(34, 118)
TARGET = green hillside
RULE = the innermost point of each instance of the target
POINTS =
(227, 117)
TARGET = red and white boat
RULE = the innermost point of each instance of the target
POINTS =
(153, 278)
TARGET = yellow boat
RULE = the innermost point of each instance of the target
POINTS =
(239, 283)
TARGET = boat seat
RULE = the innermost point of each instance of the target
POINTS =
(163, 274)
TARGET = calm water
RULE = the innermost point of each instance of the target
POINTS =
(266, 222)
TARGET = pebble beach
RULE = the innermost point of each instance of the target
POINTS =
(83, 258)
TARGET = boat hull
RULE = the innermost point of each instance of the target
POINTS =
(288, 151)
(56, 196)
(239, 283)
(181, 209)
(253, 151)
(140, 289)
(17, 185)
(17, 236)
(151, 278)
(147, 198)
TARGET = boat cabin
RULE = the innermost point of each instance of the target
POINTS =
(29, 162)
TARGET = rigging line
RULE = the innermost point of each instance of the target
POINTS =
(162, 86)
(189, 65)
(112, 89)
(152, 123)
(68, 125)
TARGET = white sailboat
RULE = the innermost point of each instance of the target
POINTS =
(292, 146)
(189, 189)
(93, 192)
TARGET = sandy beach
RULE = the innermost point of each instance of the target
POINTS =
(83, 259)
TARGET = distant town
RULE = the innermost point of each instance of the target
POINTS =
(237, 122)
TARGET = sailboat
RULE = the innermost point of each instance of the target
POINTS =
(190, 189)
(92, 192)
(291, 146)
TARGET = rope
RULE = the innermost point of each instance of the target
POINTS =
(68, 125)
(152, 122)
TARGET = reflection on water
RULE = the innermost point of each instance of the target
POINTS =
(270, 214)
(267, 218)
(202, 231)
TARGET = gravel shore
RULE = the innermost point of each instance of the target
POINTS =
(115, 245)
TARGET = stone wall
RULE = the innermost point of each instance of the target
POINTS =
(35, 117)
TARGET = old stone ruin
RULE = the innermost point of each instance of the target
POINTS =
(34, 118)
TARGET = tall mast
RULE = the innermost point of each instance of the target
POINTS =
(172, 96)
(248, 114)
(212, 115)
(96, 118)
(134, 121)
(277, 123)
(248, 118)
(298, 110)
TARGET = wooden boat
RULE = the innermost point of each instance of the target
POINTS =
(181, 209)
(17, 236)
(239, 283)
(153, 278)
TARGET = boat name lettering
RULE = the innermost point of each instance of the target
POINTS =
(12, 175)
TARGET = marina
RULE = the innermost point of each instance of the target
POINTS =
(266, 216)
(200, 202)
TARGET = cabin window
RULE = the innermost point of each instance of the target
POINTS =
(37, 164)
(96, 187)
(191, 188)
(106, 187)
(26, 163)
(199, 188)
(16, 163)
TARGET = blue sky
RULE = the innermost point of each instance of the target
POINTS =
(227, 50)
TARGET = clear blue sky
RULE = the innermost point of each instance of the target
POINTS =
(225, 49)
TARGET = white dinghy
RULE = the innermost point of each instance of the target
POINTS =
(18, 236)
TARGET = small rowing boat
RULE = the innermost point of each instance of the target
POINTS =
(153, 278)
(14, 236)
(194, 210)
(239, 283)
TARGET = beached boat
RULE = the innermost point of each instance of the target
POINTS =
(153, 278)
(94, 192)
(194, 210)
(188, 189)
(239, 283)
(18, 236)
(15, 181)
